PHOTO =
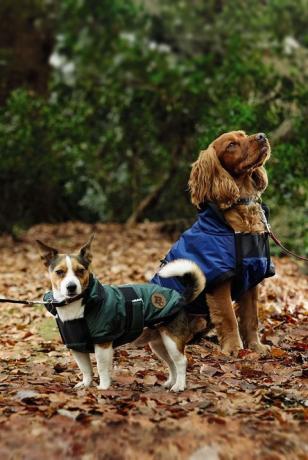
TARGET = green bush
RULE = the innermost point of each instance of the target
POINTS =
(45, 160)
(142, 87)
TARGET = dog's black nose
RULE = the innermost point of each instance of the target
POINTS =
(261, 137)
(71, 288)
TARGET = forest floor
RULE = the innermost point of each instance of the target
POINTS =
(248, 407)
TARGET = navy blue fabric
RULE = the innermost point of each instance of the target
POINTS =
(221, 253)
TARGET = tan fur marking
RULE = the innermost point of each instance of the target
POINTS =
(178, 329)
(54, 277)
(105, 345)
(81, 273)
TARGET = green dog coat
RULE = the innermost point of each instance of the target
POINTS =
(116, 314)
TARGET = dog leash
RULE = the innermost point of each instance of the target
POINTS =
(24, 302)
(277, 241)
(287, 251)
(43, 302)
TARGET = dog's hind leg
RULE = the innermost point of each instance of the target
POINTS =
(176, 352)
(104, 355)
(84, 364)
(158, 347)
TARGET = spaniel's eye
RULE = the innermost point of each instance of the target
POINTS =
(232, 144)
(59, 272)
(80, 271)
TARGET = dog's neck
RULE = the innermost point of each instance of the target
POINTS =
(246, 218)
(74, 310)
(246, 186)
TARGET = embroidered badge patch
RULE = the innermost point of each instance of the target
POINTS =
(158, 300)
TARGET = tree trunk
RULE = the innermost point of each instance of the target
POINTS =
(148, 201)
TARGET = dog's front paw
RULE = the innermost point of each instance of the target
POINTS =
(103, 386)
(177, 387)
(232, 348)
(168, 383)
(259, 348)
(83, 384)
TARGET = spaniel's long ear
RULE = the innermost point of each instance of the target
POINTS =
(259, 177)
(209, 181)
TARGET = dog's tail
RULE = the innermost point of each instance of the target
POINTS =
(191, 276)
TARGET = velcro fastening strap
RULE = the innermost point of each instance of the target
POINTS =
(134, 315)
(129, 295)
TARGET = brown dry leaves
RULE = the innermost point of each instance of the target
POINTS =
(247, 407)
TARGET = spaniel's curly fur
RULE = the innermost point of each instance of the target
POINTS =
(232, 168)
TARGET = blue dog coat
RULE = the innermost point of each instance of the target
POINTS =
(222, 254)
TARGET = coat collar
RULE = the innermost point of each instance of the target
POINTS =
(89, 292)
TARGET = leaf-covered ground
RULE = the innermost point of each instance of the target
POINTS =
(234, 408)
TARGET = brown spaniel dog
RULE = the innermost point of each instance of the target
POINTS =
(229, 169)
(229, 176)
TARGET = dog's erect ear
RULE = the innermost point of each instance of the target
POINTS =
(85, 252)
(47, 253)
(209, 181)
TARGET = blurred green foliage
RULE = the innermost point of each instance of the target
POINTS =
(137, 88)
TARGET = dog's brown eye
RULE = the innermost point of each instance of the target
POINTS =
(80, 271)
(59, 272)
(232, 144)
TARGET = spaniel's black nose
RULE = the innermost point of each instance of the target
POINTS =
(261, 137)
